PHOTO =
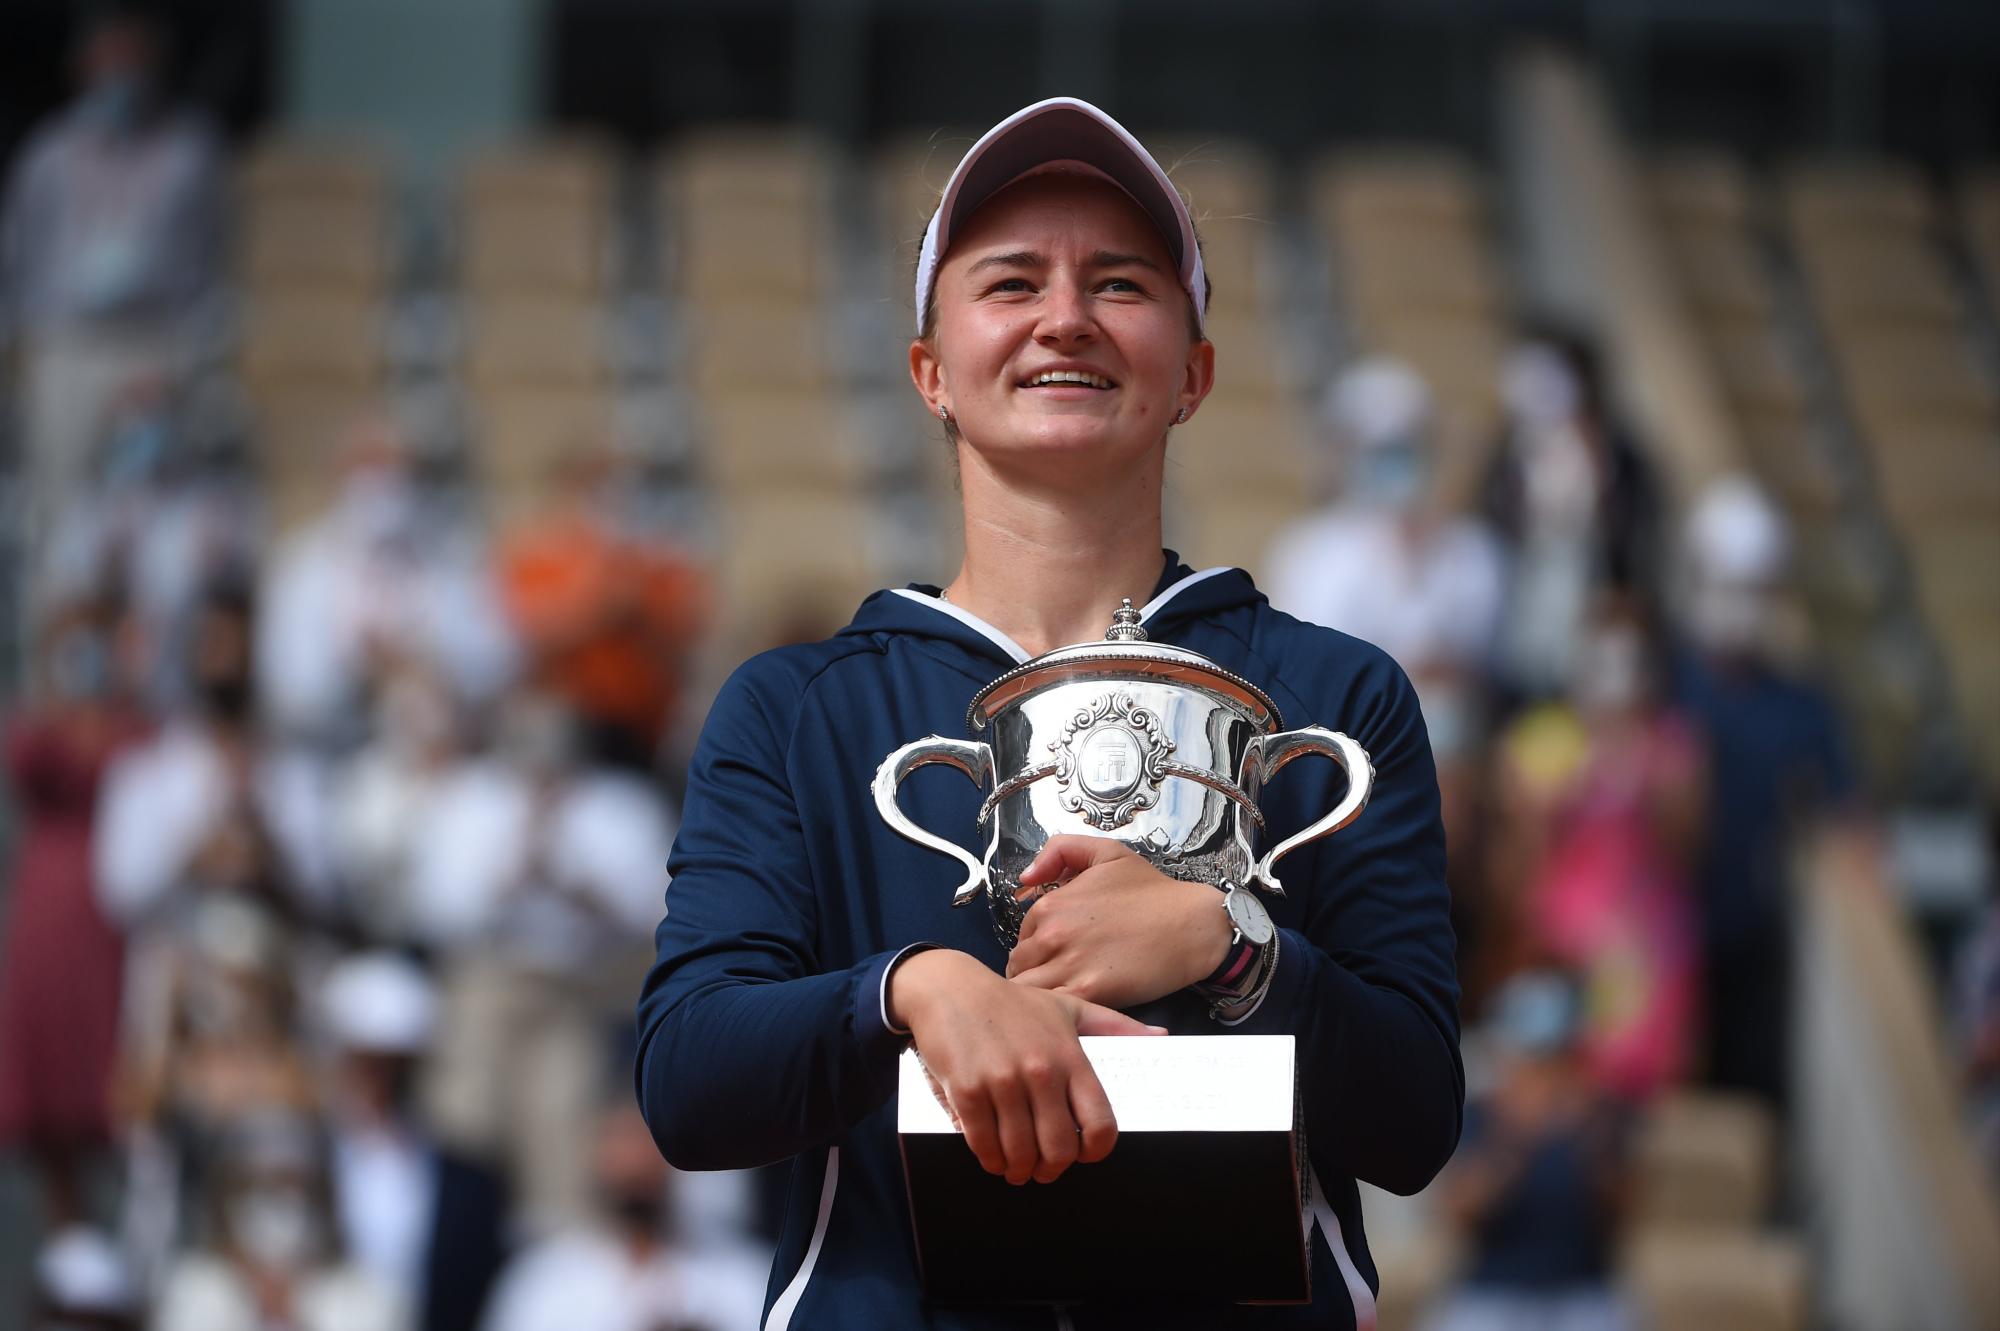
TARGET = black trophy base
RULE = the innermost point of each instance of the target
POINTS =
(1203, 1215)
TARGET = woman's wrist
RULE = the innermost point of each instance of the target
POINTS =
(918, 978)
(1210, 934)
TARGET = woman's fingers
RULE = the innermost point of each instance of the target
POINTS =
(1068, 854)
(1015, 1116)
(1056, 1133)
(973, 1110)
(1090, 1110)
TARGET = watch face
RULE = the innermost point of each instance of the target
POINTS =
(1248, 914)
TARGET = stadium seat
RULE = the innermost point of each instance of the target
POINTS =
(535, 340)
(537, 219)
(1704, 1162)
(1719, 1282)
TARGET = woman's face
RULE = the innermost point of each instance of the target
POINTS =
(1061, 273)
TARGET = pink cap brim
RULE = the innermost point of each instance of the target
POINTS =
(1062, 129)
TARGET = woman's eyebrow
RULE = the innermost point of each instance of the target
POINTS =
(1013, 259)
(1112, 259)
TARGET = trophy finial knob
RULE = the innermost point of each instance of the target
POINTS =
(1125, 626)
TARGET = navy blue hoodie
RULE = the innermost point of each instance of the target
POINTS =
(762, 1032)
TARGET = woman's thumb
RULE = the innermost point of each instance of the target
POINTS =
(1092, 1019)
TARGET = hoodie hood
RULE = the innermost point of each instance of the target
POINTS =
(1180, 596)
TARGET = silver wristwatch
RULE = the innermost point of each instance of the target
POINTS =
(1245, 973)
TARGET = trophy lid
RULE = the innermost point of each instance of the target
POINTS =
(1123, 653)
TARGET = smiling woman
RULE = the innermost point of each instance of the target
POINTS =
(1059, 305)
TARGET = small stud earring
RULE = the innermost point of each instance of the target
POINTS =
(944, 413)
(1182, 418)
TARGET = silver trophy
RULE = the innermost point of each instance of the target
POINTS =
(1154, 745)
(1164, 750)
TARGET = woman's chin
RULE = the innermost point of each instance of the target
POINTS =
(1065, 437)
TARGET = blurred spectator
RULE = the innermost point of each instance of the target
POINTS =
(540, 879)
(83, 1283)
(1387, 565)
(1540, 1182)
(61, 960)
(424, 1220)
(1601, 804)
(382, 799)
(1575, 499)
(205, 853)
(169, 512)
(387, 576)
(1978, 1019)
(210, 1032)
(608, 614)
(1777, 760)
(274, 1260)
(110, 239)
(623, 1272)
(1384, 564)
(205, 805)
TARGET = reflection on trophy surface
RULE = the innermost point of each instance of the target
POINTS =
(1152, 744)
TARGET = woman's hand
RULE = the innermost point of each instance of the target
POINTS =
(1119, 932)
(1006, 1063)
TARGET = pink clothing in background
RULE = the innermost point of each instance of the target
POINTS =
(1614, 903)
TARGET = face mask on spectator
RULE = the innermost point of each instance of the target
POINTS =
(137, 449)
(275, 1226)
(80, 665)
(1731, 619)
(379, 509)
(1391, 476)
(637, 1208)
(227, 696)
(117, 102)
(1610, 671)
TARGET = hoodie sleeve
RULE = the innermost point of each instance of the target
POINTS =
(748, 1052)
(1367, 977)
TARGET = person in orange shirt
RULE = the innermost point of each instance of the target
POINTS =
(608, 615)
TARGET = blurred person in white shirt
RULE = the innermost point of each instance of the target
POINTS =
(538, 879)
(1389, 564)
(110, 241)
(206, 802)
(1385, 563)
(426, 1220)
(382, 797)
(388, 574)
(623, 1271)
(274, 1261)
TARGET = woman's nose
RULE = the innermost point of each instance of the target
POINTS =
(1066, 315)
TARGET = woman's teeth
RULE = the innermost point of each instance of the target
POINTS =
(1069, 377)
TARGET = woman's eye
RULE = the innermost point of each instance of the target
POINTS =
(1123, 284)
(1011, 284)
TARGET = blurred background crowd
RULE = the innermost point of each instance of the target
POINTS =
(412, 409)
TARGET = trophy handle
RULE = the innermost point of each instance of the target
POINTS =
(971, 757)
(1278, 750)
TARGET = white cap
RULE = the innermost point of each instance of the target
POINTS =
(1378, 401)
(1067, 134)
(82, 1271)
(1735, 536)
(379, 1003)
